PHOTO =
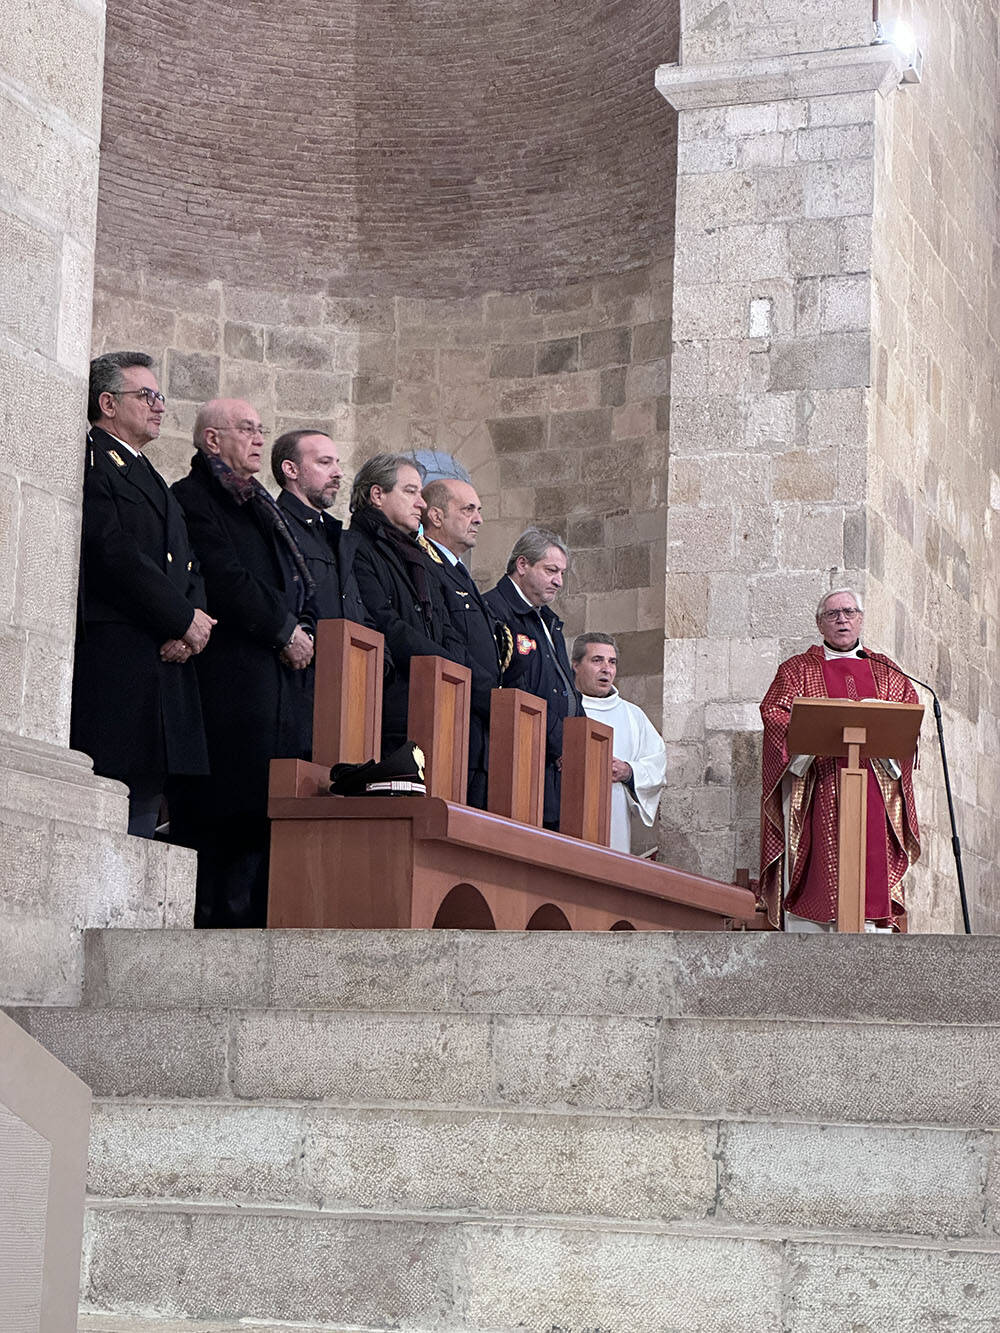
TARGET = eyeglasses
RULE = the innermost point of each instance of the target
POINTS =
(152, 396)
(843, 612)
(248, 429)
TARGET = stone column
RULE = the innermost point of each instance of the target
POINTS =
(770, 412)
(67, 862)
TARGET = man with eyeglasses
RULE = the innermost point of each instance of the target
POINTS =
(799, 812)
(252, 676)
(141, 616)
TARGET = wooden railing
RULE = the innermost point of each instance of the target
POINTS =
(434, 861)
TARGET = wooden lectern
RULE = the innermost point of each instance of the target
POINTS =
(860, 729)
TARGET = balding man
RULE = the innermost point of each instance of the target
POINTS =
(452, 521)
(253, 692)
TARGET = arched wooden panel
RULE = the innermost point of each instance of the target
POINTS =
(548, 917)
(464, 908)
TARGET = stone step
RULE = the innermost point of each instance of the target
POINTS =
(112, 1323)
(643, 974)
(731, 1068)
(418, 1272)
(713, 1174)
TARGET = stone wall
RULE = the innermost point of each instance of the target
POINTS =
(67, 862)
(555, 400)
(769, 409)
(50, 112)
(833, 409)
(934, 453)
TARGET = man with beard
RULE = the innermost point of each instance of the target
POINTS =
(399, 587)
(141, 616)
(639, 766)
(306, 465)
(800, 797)
(252, 682)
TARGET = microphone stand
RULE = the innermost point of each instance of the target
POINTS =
(956, 845)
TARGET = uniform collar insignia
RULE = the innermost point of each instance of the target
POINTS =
(116, 457)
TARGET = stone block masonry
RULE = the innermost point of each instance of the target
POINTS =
(67, 862)
(652, 1134)
(832, 386)
(555, 400)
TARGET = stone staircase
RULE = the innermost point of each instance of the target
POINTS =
(562, 1133)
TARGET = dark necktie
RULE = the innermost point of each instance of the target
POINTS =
(464, 577)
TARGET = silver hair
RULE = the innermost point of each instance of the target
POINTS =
(532, 544)
(106, 377)
(836, 592)
(381, 471)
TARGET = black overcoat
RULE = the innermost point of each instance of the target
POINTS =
(139, 586)
(535, 668)
(476, 626)
(256, 708)
(394, 605)
(329, 552)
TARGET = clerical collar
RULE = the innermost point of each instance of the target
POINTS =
(832, 654)
(602, 701)
(450, 556)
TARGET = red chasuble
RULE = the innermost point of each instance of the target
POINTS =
(893, 834)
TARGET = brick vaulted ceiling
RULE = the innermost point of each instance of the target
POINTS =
(421, 147)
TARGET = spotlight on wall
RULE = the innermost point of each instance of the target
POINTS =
(898, 33)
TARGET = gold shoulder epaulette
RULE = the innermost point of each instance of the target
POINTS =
(428, 549)
(505, 644)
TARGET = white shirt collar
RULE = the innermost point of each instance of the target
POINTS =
(450, 556)
(522, 596)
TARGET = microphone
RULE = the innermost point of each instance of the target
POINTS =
(956, 845)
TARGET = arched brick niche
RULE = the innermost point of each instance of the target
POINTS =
(431, 147)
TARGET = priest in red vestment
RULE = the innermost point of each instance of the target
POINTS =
(799, 807)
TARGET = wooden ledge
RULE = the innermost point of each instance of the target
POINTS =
(435, 820)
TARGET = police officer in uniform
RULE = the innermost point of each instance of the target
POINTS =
(452, 521)
(141, 616)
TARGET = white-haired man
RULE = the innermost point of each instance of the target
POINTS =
(798, 859)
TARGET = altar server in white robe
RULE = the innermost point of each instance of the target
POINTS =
(639, 766)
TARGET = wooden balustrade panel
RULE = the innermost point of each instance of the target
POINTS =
(516, 780)
(347, 704)
(440, 698)
(585, 804)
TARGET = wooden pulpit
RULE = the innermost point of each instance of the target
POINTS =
(860, 729)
